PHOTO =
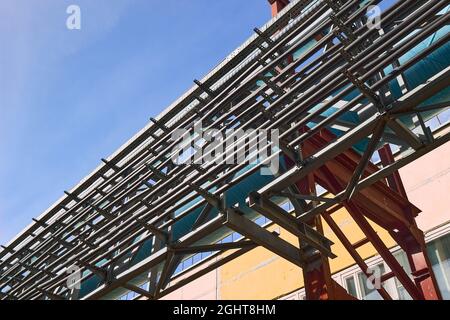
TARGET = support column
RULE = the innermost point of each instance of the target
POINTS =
(277, 6)
(319, 285)
(413, 245)
(419, 262)
(317, 274)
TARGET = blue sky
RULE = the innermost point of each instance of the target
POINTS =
(71, 97)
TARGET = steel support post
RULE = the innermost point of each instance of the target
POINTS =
(319, 284)
(277, 6)
(414, 247)
(317, 274)
(421, 268)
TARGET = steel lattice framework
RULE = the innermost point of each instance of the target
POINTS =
(295, 75)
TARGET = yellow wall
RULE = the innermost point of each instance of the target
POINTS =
(260, 274)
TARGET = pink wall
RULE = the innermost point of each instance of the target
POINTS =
(427, 183)
(203, 288)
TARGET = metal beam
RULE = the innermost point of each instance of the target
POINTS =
(281, 217)
(213, 247)
(237, 222)
(138, 290)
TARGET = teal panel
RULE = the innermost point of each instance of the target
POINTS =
(89, 285)
(143, 252)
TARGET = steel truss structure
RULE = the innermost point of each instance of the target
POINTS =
(314, 64)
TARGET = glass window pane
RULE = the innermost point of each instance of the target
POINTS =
(444, 117)
(228, 239)
(402, 293)
(206, 254)
(179, 268)
(433, 123)
(197, 258)
(439, 253)
(369, 293)
(260, 221)
(403, 260)
(351, 286)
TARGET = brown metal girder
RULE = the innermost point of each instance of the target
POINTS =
(377, 201)
(375, 211)
(358, 215)
(379, 193)
(335, 186)
(352, 251)
(382, 174)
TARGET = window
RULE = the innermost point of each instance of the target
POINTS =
(444, 117)
(403, 260)
(356, 285)
(369, 292)
(351, 286)
(355, 282)
(439, 253)
(197, 258)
